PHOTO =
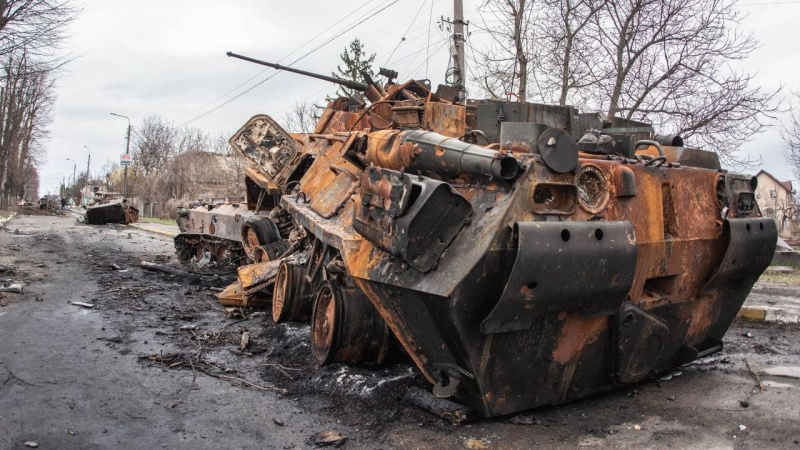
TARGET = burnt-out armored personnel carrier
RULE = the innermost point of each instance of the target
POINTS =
(522, 254)
(230, 233)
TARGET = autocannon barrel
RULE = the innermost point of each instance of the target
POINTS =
(347, 83)
(426, 150)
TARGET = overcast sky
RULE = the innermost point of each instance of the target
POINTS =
(167, 58)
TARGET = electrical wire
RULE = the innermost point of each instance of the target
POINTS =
(373, 14)
(279, 61)
(248, 110)
(435, 52)
(427, 53)
(403, 38)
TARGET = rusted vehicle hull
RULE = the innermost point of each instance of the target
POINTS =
(638, 274)
(562, 256)
(232, 234)
(111, 213)
(213, 230)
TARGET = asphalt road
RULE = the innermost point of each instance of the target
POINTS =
(72, 378)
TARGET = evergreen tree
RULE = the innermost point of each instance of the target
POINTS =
(355, 61)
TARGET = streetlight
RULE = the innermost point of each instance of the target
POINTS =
(127, 151)
(74, 169)
(88, 160)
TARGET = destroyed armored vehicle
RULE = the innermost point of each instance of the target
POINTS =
(113, 212)
(230, 233)
(521, 254)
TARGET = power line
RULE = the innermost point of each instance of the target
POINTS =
(292, 63)
(381, 45)
(262, 71)
(417, 53)
(435, 52)
(427, 52)
(403, 38)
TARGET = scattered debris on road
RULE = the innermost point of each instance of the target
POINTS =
(455, 412)
(245, 340)
(325, 438)
(197, 363)
(83, 304)
(16, 288)
(154, 267)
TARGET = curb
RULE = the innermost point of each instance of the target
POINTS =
(768, 314)
(153, 230)
(6, 219)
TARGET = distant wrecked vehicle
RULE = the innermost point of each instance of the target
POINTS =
(114, 212)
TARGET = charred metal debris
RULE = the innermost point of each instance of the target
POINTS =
(114, 212)
(521, 254)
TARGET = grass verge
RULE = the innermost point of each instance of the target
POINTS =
(157, 220)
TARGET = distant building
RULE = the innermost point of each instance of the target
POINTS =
(776, 199)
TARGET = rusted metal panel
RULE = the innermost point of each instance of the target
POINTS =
(417, 223)
(221, 221)
(448, 120)
(255, 277)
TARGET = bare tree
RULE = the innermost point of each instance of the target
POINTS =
(566, 57)
(301, 118)
(31, 32)
(790, 133)
(506, 62)
(663, 61)
(26, 99)
(668, 62)
(182, 163)
(155, 143)
(38, 26)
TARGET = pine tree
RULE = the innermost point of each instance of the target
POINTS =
(355, 61)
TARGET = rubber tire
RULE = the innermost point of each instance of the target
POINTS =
(265, 231)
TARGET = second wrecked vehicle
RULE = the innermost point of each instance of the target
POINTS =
(113, 212)
(522, 254)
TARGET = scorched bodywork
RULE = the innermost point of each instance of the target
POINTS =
(530, 263)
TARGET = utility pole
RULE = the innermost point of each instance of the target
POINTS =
(459, 72)
(459, 39)
(127, 152)
(88, 161)
(74, 171)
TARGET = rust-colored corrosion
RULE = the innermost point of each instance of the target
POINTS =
(544, 272)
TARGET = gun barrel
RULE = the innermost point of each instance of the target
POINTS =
(355, 85)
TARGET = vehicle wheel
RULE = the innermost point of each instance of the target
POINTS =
(345, 327)
(290, 301)
(258, 231)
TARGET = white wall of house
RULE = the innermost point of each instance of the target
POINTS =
(774, 200)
